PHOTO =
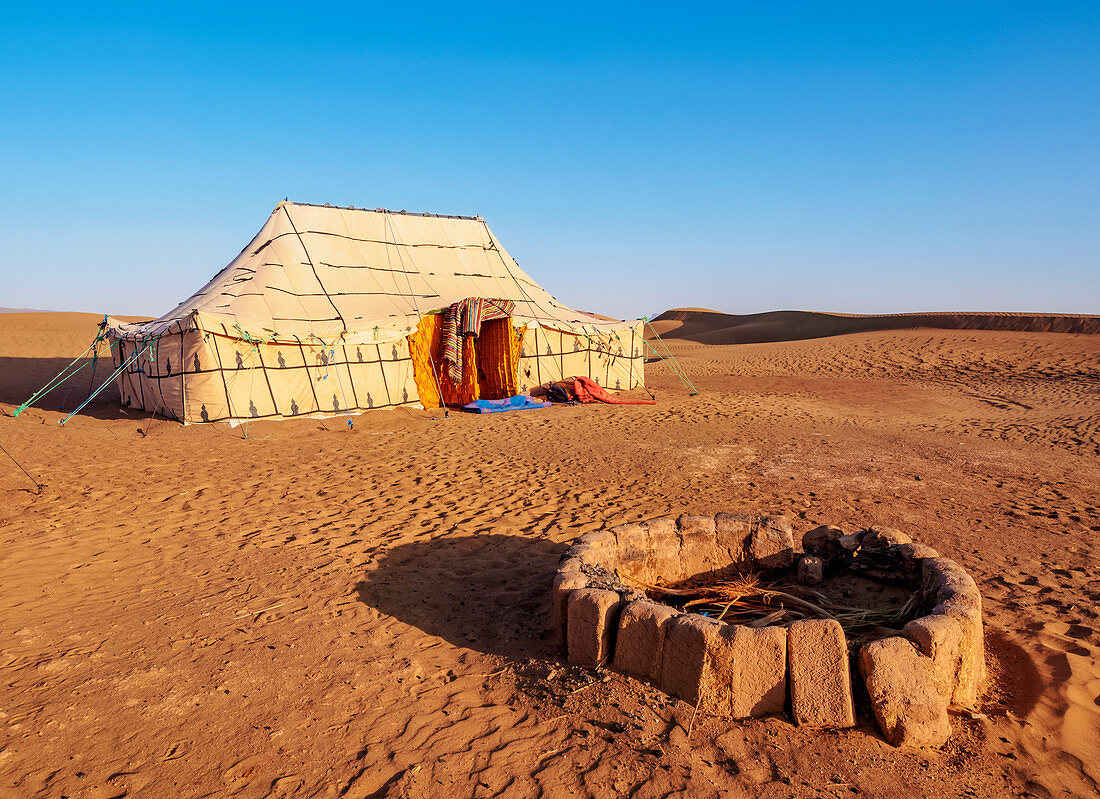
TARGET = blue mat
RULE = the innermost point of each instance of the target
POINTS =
(520, 402)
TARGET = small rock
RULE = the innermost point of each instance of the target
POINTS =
(811, 571)
(881, 537)
(823, 541)
(677, 737)
(851, 542)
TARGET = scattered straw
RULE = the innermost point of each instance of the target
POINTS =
(258, 612)
(694, 713)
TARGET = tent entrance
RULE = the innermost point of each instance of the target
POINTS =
(490, 362)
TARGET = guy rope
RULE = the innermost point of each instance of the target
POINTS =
(665, 355)
(149, 347)
(69, 371)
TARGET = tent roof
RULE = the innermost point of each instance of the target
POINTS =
(326, 272)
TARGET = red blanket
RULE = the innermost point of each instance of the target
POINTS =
(586, 389)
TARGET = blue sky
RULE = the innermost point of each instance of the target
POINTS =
(868, 158)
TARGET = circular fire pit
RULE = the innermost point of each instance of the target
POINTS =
(610, 604)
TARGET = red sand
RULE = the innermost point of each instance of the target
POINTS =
(316, 612)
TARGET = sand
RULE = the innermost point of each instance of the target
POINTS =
(313, 611)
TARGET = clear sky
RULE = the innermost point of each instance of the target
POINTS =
(869, 158)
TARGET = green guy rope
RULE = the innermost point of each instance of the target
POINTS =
(667, 356)
(137, 353)
(61, 376)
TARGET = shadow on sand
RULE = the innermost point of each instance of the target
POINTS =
(490, 593)
(22, 377)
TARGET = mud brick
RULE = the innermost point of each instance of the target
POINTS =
(640, 643)
(590, 629)
(821, 684)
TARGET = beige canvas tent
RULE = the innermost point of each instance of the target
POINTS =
(338, 310)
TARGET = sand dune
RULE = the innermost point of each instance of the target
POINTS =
(304, 609)
(713, 327)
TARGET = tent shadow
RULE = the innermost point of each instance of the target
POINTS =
(20, 378)
(490, 593)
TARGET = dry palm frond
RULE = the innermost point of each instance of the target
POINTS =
(742, 596)
(877, 617)
(745, 600)
(771, 618)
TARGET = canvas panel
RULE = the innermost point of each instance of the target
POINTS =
(251, 395)
(205, 398)
(367, 368)
(283, 381)
(130, 388)
(322, 271)
(154, 380)
(616, 360)
(161, 385)
(399, 382)
(287, 356)
(542, 357)
(295, 392)
(334, 389)
(624, 373)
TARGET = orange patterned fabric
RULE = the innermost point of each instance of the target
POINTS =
(468, 390)
(513, 355)
(425, 345)
(498, 349)
(420, 347)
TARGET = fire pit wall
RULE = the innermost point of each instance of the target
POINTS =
(736, 671)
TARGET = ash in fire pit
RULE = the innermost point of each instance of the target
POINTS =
(721, 612)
